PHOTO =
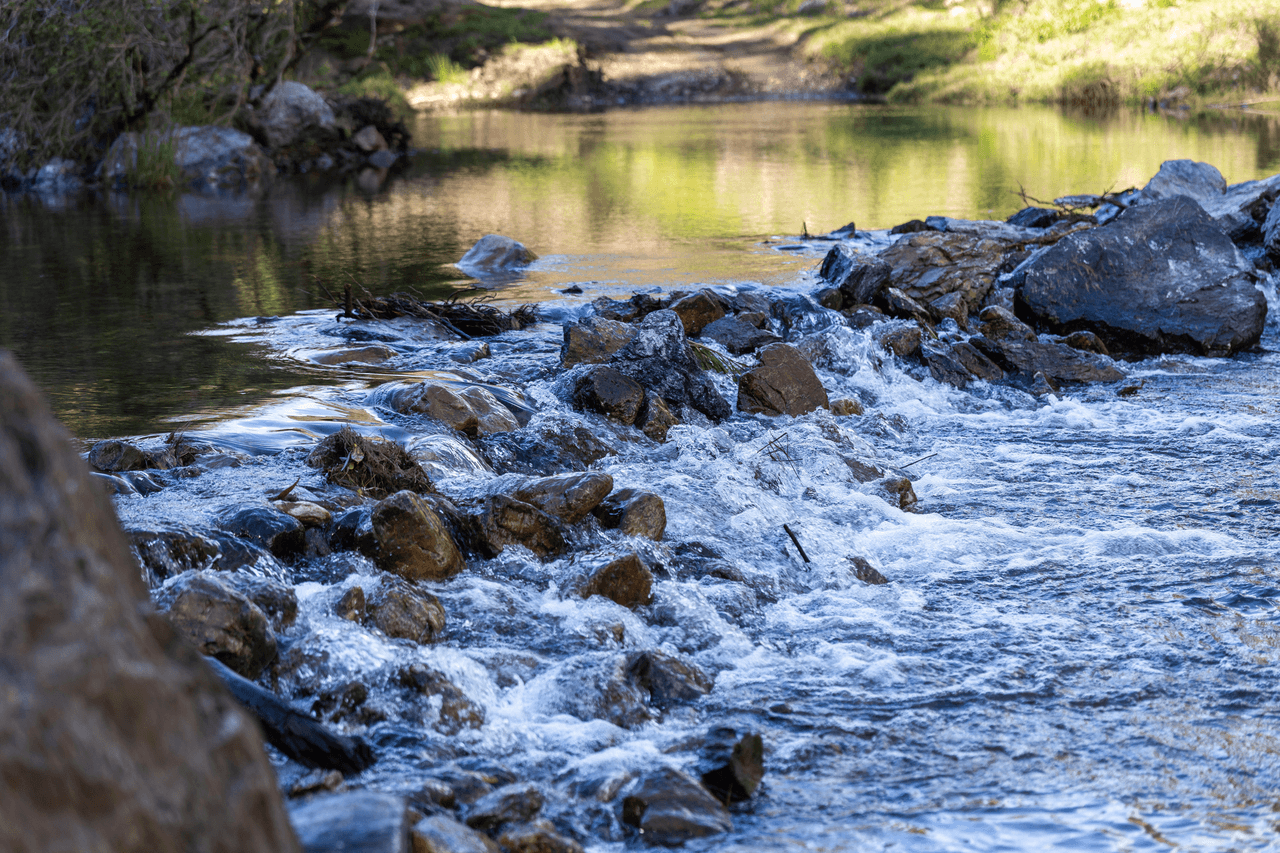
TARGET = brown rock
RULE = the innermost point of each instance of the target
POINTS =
(900, 305)
(1087, 341)
(741, 334)
(845, 406)
(441, 834)
(897, 491)
(611, 393)
(491, 415)
(114, 734)
(655, 419)
(633, 513)
(1000, 324)
(593, 340)
(276, 599)
(368, 139)
(352, 605)
(220, 622)
(456, 710)
(931, 264)
(953, 305)
(903, 341)
(536, 837)
(865, 572)
(509, 804)
(783, 384)
(569, 497)
(412, 541)
(309, 514)
(401, 611)
(504, 521)
(670, 808)
(625, 580)
(697, 311)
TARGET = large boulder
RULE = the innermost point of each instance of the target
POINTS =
(659, 358)
(1161, 277)
(114, 734)
(292, 112)
(207, 158)
(783, 384)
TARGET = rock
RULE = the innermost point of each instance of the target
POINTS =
(509, 804)
(456, 710)
(342, 702)
(599, 688)
(610, 392)
(625, 580)
(1199, 181)
(902, 340)
(697, 311)
(865, 572)
(212, 158)
(668, 680)
(633, 513)
(669, 807)
(1271, 233)
(491, 414)
(1161, 277)
(368, 139)
(290, 113)
(373, 467)
(1034, 217)
(829, 297)
(783, 384)
(898, 304)
(412, 541)
(399, 610)
(655, 419)
(1053, 359)
(735, 767)
(934, 263)
(911, 226)
(171, 550)
(953, 305)
(372, 354)
(58, 175)
(112, 729)
(537, 837)
(383, 159)
(1087, 341)
(738, 336)
(277, 600)
(469, 352)
(494, 254)
(897, 490)
(845, 406)
(860, 279)
(503, 521)
(958, 363)
(800, 316)
(280, 534)
(569, 497)
(115, 455)
(304, 512)
(352, 605)
(220, 622)
(473, 411)
(592, 340)
(352, 822)
(548, 444)
(440, 834)
(658, 357)
(1000, 324)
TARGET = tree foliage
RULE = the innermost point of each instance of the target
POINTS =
(76, 73)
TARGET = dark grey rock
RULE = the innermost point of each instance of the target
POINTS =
(1033, 217)
(658, 357)
(738, 336)
(859, 278)
(633, 512)
(266, 526)
(494, 254)
(609, 391)
(219, 621)
(669, 680)
(352, 822)
(783, 384)
(515, 803)
(670, 807)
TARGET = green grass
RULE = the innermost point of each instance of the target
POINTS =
(445, 70)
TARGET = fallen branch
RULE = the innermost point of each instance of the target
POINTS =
(796, 541)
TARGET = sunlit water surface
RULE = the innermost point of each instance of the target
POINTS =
(1078, 647)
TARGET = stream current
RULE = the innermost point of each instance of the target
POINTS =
(1077, 649)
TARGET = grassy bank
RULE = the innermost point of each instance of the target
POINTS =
(1087, 52)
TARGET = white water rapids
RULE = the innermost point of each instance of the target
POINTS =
(1078, 648)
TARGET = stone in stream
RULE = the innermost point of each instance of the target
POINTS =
(114, 455)
(668, 680)
(845, 406)
(931, 264)
(959, 362)
(569, 497)
(1160, 277)
(1087, 341)
(456, 710)
(865, 572)
(901, 339)
(114, 734)
(502, 520)
(599, 687)
(670, 807)
(783, 384)
(898, 304)
(352, 822)
(633, 512)
(739, 336)
(514, 803)
(1034, 217)
(292, 112)
(494, 254)
(352, 606)
(735, 765)
(539, 836)
(412, 541)
(473, 411)
(659, 358)
(953, 305)
(306, 513)
(169, 550)
(400, 610)
(655, 419)
(373, 467)
(593, 340)
(274, 598)
(268, 527)
(860, 279)
(1012, 343)
(697, 311)
(440, 834)
(219, 621)
(625, 580)
(551, 443)
(607, 390)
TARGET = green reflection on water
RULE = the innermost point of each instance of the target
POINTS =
(99, 295)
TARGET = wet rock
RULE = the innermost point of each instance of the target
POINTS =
(865, 572)
(897, 490)
(352, 605)
(171, 550)
(291, 112)
(1033, 217)
(371, 354)
(599, 688)
(953, 305)
(208, 158)
(276, 599)
(1161, 277)
(625, 580)
(593, 340)
(439, 834)
(220, 622)
(697, 311)
(470, 352)
(668, 680)
(304, 512)
(547, 445)
(317, 782)
(1000, 324)
(370, 466)
(473, 411)
(670, 807)
(502, 521)
(412, 541)
(800, 316)
(1087, 341)
(404, 612)
(845, 406)
(456, 710)
(735, 776)
(859, 278)
(383, 159)
(655, 419)
(536, 837)
(1041, 385)
(911, 226)
(608, 391)
(494, 254)
(114, 455)
(932, 264)
(433, 793)
(341, 702)
(783, 384)
(739, 336)
(353, 531)
(569, 497)
(268, 527)
(352, 822)
(633, 513)
(658, 357)
(958, 363)
(1054, 359)
(1199, 181)
(829, 297)
(112, 728)
(902, 340)
(509, 804)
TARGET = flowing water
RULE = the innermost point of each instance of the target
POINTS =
(1079, 645)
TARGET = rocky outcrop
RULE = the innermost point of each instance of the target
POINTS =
(931, 264)
(783, 384)
(1161, 277)
(114, 735)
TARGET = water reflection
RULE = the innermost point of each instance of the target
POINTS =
(100, 292)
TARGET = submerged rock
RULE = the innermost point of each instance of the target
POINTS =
(456, 710)
(547, 445)
(670, 807)
(473, 411)
(736, 766)
(669, 680)
(515, 803)
(268, 527)
(536, 837)
(783, 384)
(1161, 277)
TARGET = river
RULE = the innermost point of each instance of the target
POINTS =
(1077, 649)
